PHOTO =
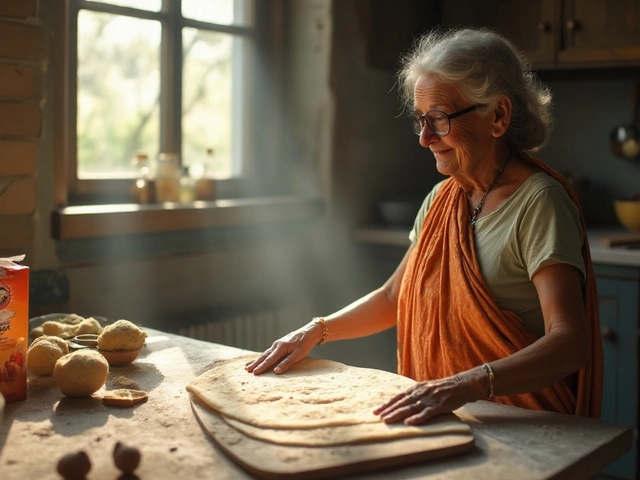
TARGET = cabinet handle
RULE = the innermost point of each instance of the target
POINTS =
(572, 25)
(544, 27)
(608, 334)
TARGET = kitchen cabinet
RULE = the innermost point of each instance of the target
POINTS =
(618, 292)
(556, 34)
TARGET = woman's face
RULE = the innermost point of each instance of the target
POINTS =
(468, 141)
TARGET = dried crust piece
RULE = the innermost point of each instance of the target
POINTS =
(124, 397)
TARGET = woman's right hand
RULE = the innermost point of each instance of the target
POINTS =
(288, 350)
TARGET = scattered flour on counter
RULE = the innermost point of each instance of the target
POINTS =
(41, 430)
(122, 381)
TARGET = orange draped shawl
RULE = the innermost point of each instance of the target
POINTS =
(449, 323)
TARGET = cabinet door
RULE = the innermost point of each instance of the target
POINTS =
(619, 309)
(595, 31)
(529, 25)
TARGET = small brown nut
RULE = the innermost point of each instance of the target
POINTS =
(126, 458)
(74, 466)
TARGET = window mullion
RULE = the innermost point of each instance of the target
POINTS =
(171, 80)
(72, 96)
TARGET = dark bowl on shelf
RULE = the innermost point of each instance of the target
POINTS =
(398, 213)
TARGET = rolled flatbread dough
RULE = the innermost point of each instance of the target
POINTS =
(349, 434)
(313, 394)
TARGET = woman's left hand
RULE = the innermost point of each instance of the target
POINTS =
(427, 399)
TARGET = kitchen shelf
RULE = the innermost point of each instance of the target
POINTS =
(383, 236)
(600, 253)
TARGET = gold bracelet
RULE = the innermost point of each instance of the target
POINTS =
(487, 368)
(325, 329)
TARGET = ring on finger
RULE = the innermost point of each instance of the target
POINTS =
(420, 404)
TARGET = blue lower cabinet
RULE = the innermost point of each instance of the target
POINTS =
(618, 292)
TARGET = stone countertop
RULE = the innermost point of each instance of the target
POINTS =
(601, 254)
(35, 433)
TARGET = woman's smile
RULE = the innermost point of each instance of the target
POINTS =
(440, 153)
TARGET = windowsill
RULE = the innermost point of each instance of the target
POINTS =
(93, 221)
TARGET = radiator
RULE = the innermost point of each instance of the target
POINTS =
(252, 328)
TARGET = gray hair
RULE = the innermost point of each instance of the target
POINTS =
(484, 66)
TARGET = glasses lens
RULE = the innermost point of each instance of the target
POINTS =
(438, 122)
(418, 124)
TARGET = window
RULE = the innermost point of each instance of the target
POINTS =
(152, 76)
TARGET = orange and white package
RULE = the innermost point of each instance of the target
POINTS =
(14, 328)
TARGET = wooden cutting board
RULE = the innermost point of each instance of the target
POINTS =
(271, 461)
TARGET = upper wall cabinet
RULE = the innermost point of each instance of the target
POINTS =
(594, 31)
(558, 33)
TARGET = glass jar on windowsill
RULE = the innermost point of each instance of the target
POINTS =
(143, 188)
(168, 178)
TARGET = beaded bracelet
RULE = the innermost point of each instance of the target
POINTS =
(325, 329)
(487, 368)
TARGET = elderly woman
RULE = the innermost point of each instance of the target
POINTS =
(495, 298)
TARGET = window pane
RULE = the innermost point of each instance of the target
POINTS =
(224, 12)
(118, 92)
(150, 5)
(210, 98)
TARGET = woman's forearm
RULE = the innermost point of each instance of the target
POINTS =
(373, 313)
(547, 361)
(370, 314)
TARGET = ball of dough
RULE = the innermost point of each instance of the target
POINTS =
(88, 325)
(52, 339)
(81, 373)
(58, 329)
(121, 335)
(43, 354)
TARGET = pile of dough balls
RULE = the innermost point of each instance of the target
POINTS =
(121, 335)
(43, 354)
(67, 327)
(81, 373)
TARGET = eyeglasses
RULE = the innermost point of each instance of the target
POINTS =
(438, 121)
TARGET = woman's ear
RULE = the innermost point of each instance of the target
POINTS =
(501, 116)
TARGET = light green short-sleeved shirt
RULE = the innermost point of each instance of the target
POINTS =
(538, 225)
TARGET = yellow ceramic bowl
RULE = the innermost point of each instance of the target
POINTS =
(628, 213)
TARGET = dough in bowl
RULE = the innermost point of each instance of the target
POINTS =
(121, 335)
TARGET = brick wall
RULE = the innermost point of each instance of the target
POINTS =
(22, 55)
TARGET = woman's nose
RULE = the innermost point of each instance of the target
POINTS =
(427, 137)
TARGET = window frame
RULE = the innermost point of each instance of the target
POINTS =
(266, 195)
(99, 191)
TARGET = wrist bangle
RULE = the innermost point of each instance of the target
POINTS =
(487, 368)
(325, 330)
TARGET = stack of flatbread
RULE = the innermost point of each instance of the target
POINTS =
(316, 403)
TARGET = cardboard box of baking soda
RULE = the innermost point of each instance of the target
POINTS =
(14, 328)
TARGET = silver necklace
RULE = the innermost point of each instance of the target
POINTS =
(476, 211)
